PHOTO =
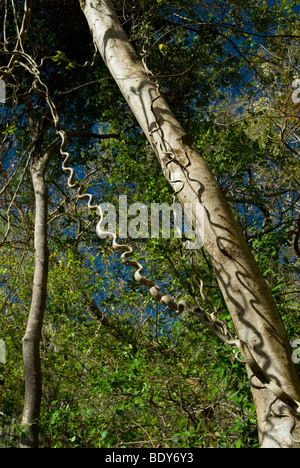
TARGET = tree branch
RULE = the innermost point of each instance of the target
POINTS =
(297, 238)
(96, 136)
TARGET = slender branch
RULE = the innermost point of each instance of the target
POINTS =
(297, 238)
(195, 27)
(96, 136)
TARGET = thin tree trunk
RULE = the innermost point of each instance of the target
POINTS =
(32, 337)
(248, 298)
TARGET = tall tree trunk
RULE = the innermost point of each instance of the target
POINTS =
(248, 298)
(32, 337)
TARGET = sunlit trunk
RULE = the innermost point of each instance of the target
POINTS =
(32, 337)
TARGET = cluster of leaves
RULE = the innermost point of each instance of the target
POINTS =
(128, 380)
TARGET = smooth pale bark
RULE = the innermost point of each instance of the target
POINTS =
(249, 300)
(32, 337)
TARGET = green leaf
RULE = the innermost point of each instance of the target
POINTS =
(239, 443)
